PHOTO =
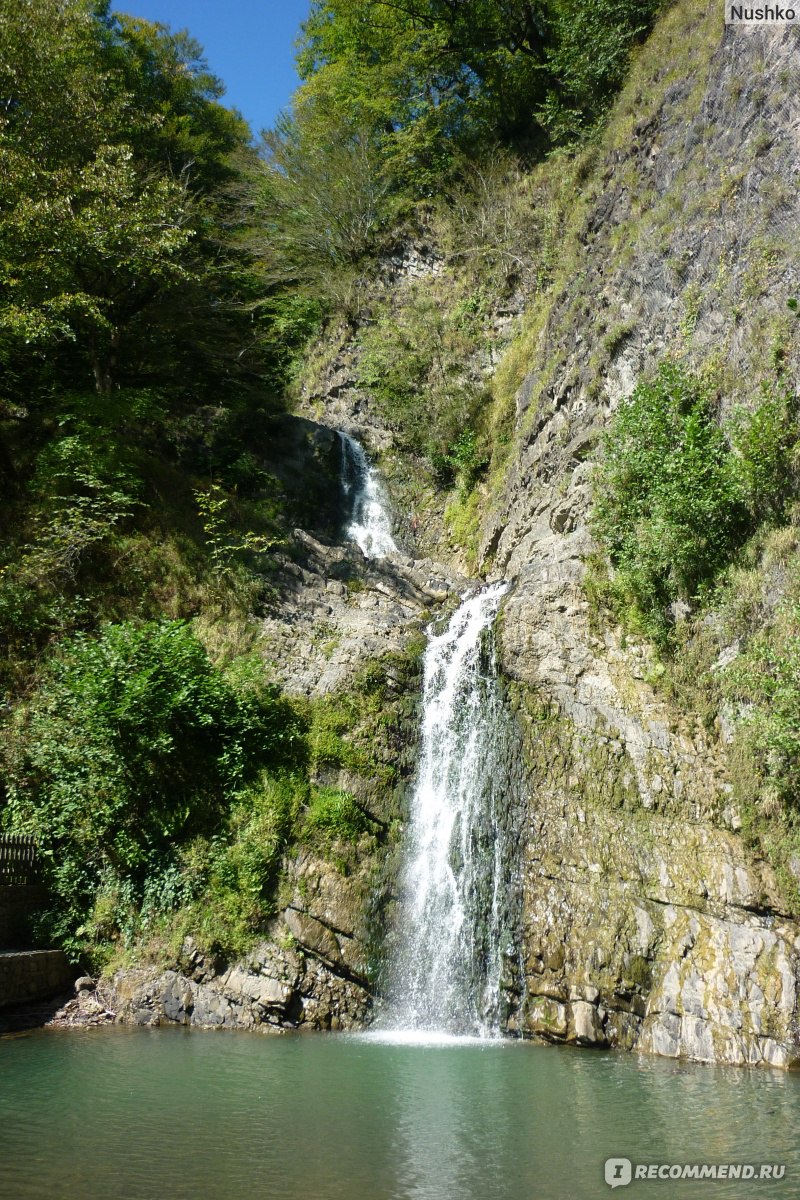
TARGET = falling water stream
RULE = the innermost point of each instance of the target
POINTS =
(455, 935)
(370, 525)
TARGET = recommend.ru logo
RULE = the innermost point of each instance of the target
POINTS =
(619, 1172)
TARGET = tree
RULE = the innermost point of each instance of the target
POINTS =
(320, 200)
(114, 159)
(86, 249)
(435, 78)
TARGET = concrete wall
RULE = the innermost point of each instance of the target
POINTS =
(32, 975)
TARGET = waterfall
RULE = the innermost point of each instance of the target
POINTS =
(457, 916)
(370, 527)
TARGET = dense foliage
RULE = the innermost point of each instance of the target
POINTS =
(137, 348)
(159, 279)
(399, 99)
(765, 681)
(677, 495)
(132, 746)
(115, 158)
(431, 79)
(142, 360)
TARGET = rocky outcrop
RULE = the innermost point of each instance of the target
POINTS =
(89, 1007)
(647, 921)
(315, 967)
(312, 968)
(646, 928)
(316, 963)
(276, 986)
(338, 610)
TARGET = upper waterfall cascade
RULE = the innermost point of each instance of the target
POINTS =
(370, 525)
(456, 928)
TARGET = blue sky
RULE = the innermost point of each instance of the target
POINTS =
(249, 44)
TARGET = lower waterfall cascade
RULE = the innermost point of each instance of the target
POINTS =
(455, 938)
(369, 525)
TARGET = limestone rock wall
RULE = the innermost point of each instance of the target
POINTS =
(313, 969)
(277, 986)
(646, 928)
(647, 921)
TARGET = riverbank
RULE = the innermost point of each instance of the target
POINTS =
(86, 1005)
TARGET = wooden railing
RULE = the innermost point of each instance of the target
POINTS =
(19, 863)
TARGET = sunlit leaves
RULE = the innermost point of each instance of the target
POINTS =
(114, 152)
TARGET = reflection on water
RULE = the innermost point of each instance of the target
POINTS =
(140, 1114)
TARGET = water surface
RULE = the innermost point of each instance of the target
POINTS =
(140, 1114)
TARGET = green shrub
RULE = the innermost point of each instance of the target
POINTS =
(224, 543)
(80, 500)
(464, 461)
(329, 719)
(412, 363)
(676, 495)
(764, 442)
(668, 505)
(230, 880)
(133, 745)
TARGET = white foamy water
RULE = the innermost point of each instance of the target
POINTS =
(447, 975)
(370, 523)
(416, 1037)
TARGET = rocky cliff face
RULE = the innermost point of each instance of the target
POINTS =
(647, 922)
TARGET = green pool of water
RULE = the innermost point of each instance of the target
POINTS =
(136, 1114)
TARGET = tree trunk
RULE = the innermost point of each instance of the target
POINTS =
(104, 364)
